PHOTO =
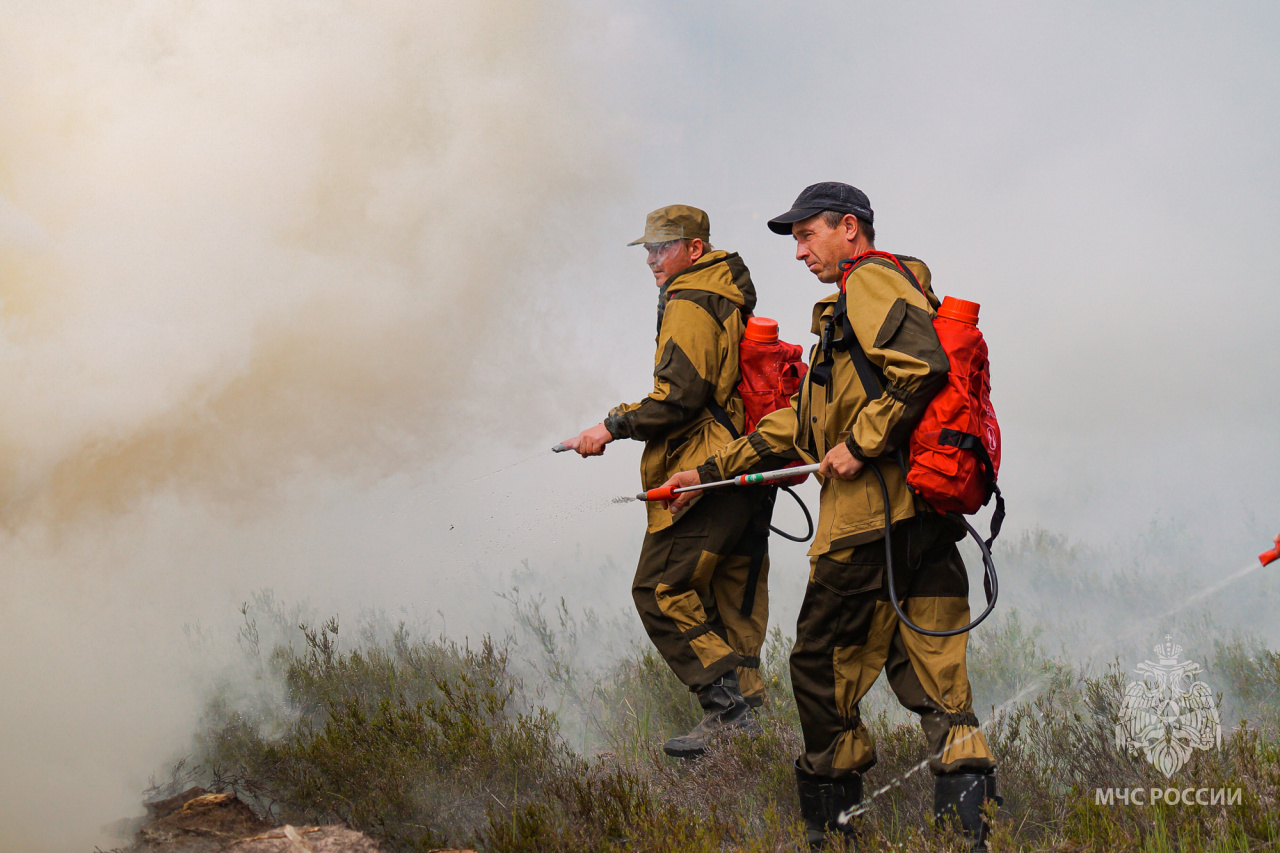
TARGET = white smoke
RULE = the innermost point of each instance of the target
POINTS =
(235, 236)
(238, 241)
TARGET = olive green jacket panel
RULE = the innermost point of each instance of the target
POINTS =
(696, 361)
(893, 321)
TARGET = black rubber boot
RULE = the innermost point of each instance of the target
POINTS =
(822, 801)
(726, 712)
(959, 798)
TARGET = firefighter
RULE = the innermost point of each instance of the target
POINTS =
(701, 584)
(847, 630)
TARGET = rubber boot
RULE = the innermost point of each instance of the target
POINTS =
(822, 800)
(959, 798)
(725, 712)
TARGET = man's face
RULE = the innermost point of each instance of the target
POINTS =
(667, 259)
(821, 247)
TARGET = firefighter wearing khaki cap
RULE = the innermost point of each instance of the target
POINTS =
(848, 421)
(701, 585)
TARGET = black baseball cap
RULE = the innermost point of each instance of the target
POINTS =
(816, 198)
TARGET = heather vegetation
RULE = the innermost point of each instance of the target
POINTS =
(548, 737)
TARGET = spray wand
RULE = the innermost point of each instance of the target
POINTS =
(784, 478)
(669, 493)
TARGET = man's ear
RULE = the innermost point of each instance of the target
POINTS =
(851, 227)
(697, 248)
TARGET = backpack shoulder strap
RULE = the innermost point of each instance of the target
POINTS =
(872, 379)
(722, 417)
(717, 411)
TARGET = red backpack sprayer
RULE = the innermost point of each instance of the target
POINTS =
(771, 371)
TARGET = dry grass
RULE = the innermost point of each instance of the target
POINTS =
(540, 742)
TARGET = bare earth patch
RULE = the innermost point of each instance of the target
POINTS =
(196, 821)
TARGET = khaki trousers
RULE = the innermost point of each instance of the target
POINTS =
(694, 581)
(848, 632)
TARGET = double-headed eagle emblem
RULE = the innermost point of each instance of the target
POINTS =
(1168, 714)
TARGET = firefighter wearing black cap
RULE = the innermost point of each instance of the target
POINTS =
(701, 585)
(847, 631)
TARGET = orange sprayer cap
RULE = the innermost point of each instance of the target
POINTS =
(959, 310)
(762, 330)
(1268, 557)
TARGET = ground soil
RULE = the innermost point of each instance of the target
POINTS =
(197, 821)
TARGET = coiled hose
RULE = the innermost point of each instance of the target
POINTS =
(808, 520)
(990, 583)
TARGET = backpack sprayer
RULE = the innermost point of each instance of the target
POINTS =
(953, 455)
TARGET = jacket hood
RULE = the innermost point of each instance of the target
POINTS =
(721, 273)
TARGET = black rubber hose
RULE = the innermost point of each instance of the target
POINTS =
(808, 520)
(991, 585)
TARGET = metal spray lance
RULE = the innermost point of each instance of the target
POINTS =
(669, 492)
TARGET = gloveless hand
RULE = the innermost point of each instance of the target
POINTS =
(591, 441)
(679, 481)
(840, 463)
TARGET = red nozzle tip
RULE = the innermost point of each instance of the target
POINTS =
(666, 493)
(1268, 557)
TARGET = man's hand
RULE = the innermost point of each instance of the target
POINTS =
(840, 463)
(590, 442)
(679, 481)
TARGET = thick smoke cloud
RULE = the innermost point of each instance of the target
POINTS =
(239, 243)
(238, 238)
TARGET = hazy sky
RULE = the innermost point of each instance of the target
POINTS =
(277, 284)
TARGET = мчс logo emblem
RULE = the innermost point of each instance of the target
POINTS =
(1168, 714)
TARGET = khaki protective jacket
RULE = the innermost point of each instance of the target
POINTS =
(702, 312)
(894, 323)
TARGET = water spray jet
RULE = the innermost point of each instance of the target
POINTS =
(1041, 680)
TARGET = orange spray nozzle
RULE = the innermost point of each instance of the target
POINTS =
(667, 493)
(1271, 556)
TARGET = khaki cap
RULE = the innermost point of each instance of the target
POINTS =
(675, 222)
